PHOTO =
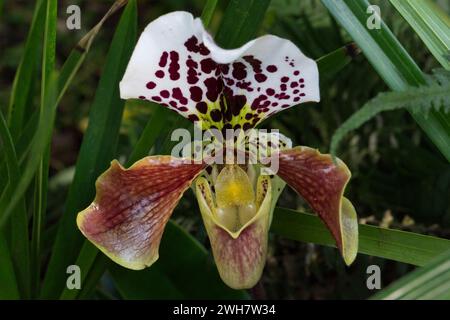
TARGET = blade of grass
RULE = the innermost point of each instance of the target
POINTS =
(39, 143)
(97, 150)
(240, 22)
(16, 229)
(392, 63)
(431, 24)
(41, 183)
(9, 289)
(406, 247)
(23, 79)
(431, 282)
(208, 11)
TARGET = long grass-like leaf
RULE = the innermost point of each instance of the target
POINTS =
(432, 282)
(392, 63)
(97, 150)
(431, 24)
(9, 288)
(241, 21)
(406, 247)
(40, 194)
(23, 80)
(208, 11)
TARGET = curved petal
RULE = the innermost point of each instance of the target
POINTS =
(322, 183)
(240, 253)
(127, 218)
(170, 65)
(177, 63)
(263, 77)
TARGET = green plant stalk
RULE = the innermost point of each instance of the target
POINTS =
(392, 63)
(431, 23)
(406, 247)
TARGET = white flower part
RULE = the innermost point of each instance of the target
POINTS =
(176, 63)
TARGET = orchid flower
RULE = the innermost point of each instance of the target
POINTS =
(177, 64)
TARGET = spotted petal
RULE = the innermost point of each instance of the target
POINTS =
(176, 63)
(170, 65)
(322, 183)
(237, 223)
(132, 206)
(263, 77)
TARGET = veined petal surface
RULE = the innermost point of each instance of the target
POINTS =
(322, 183)
(132, 206)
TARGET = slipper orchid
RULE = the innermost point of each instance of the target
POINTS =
(176, 63)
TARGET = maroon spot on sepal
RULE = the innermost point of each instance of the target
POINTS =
(159, 74)
(255, 63)
(272, 68)
(196, 93)
(260, 77)
(214, 87)
(216, 115)
(208, 65)
(150, 85)
(163, 59)
(239, 71)
(202, 107)
(164, 94)
(174, 66)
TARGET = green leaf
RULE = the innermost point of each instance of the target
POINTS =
(23, 79)
(198, 278)
(150, 134)
(240, 22)
(330, 64)
(9, 289)
(97, 150)
(208, 11)
(425, 98)
(431, 282)
(392, 63)
(431, 23)
(40, 194)
(406, 247)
